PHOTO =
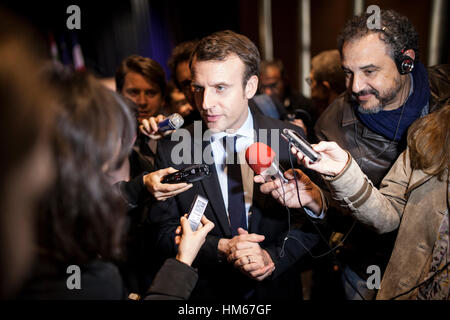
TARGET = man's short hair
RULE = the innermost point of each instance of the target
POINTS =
(265, 64)
(180, 53)
(396, 31)
(219, 45)
(326, 66)
(146, 67)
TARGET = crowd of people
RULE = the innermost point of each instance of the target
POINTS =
(84, 167)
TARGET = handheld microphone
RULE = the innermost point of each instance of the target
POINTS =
(172, 122)
(262, 159)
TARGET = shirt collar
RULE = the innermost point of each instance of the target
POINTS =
(246, 130)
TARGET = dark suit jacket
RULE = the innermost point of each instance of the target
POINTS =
(219, 279)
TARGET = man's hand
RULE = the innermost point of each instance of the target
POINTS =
(301, 124)
(286, 194)
(246, 255)
(225, 245)
(333, 161)
(189, 242)
(163, 191)
(149, 127)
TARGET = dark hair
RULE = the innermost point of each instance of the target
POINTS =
(26, 100)
(180, 53)
(219, 45)
(146, 67)
(326, 66)
(429, 142)
(396, 31)
(83, 219)
(26, 113)
(272, 63)
(171, 87)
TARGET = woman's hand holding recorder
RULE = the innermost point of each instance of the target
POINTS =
(189, 242)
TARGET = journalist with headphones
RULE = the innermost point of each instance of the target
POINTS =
(388, 88)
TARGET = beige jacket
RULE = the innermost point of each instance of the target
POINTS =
(409, 200)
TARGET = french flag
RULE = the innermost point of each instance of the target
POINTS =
(77, 54)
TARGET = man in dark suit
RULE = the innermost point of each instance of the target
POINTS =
(253, 250)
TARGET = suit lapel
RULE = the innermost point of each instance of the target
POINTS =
(211, 187)
(259, 199)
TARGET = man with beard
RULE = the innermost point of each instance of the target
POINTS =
(388, 89)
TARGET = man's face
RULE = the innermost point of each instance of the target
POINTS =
(147, 95)
(272, 83)
(318, 91)
(219, 94)
(372, 77)
(183, 75)
(179, 104)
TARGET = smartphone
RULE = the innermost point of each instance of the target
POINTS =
(190, 174)
(300, 144)
(198, 208)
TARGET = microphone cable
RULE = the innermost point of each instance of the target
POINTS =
(331, 250)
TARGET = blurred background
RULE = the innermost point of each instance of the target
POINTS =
(290, 30)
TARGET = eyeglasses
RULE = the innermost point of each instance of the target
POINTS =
(308, 81)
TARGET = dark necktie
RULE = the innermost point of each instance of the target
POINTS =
(236, 201)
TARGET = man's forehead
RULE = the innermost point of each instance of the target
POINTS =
(136, 79)
(226, 68)
(364, 51)
(271, 72)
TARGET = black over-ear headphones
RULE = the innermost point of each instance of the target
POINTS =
(405, 64)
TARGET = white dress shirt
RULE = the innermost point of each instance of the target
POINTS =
(245, 137)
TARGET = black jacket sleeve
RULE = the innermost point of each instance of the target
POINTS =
(174, 281)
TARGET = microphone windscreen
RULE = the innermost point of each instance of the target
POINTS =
(176, 120)
(172, 122)
(259, 156)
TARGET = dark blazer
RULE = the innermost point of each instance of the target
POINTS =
(219, 279)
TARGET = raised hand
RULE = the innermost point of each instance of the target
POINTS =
(333, 161)
(286, 194)
(149, 127)
(163, 191)
(189, 242)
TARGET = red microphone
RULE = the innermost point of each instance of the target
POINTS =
(262, 159)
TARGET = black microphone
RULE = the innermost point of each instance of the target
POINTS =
(172, 122)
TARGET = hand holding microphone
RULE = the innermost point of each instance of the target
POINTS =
(262, 159)
(159, 126)
(282, 187)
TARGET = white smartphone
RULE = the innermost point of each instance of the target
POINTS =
(198, 208)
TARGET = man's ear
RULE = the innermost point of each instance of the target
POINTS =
(326, 84)
(251, 87)
(410, 53)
